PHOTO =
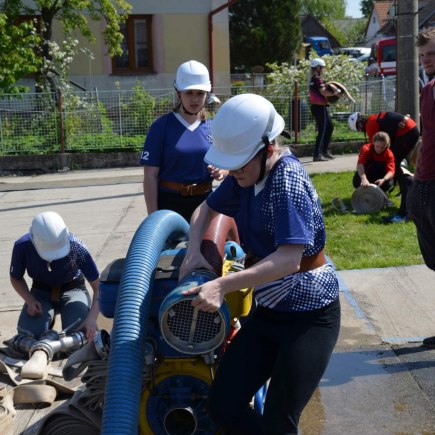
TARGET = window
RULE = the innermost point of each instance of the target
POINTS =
(136, 46)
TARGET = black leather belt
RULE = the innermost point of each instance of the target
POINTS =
(77, 282)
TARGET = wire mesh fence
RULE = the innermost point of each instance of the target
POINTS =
(108, 121)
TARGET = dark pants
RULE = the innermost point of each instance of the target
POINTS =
(324, 128)
(374, 171)
(402, 146)
(290, 349)
(421, 208)
(72, 305)
(183, 205)
(405, 181)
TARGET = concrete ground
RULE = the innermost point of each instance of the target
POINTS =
(379, 381)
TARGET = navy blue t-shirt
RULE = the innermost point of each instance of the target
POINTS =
(26, 259)
(282, 209)
(178, 149)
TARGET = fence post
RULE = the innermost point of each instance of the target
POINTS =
(120, 118)
(61, 122)
(296, 110)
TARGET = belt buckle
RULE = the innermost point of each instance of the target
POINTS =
(55, 293)
(188, 190)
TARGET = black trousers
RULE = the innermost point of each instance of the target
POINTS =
(290, 349)
(374, 171)
(324, 128)
(421, 208)
(183, 205)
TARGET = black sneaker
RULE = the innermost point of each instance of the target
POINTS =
(429, 342)
(320, 158)
(328, 155)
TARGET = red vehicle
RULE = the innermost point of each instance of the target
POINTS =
(383, 57)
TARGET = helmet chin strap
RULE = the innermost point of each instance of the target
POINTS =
(184, 109)
(265, 140)
(190, 113)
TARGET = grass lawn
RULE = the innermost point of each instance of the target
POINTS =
(363, 241)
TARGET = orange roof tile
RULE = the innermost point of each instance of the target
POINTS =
(381, 8)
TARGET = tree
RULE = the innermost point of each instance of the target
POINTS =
(263, 31)
(17, 55)
(73, 15)
(325, 9)
(366, 7)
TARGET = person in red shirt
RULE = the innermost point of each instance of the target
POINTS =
(404, 135)
(375, 163)
(402, 129)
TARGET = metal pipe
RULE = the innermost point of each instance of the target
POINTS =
(210, 35)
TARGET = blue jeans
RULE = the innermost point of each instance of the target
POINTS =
(290, 349)
(72, 304)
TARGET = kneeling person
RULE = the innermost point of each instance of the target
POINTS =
(375, 164)
(57, 262)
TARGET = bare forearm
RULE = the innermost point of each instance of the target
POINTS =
(388, 176)
(150, 187)
(150, 195)
(199, 223)
(361, 170)
(21, 287)
(95, 307)
(285, 261)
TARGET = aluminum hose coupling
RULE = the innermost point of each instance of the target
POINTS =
(64, 343)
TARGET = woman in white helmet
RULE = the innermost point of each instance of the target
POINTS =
(57, 262)
(175, 175)
(290, 335)
(319, 109)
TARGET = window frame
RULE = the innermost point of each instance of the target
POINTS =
(132, 69)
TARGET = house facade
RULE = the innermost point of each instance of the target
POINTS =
(382, 19)
(158, 37)
(382, 12)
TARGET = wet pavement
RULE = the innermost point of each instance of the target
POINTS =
(379, 381)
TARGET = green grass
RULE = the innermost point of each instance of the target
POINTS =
(363, 241)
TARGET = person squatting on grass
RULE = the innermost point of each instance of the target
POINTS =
(291, 333)
(404, 136)
(375, 163)
(421, 195)
(175, 175)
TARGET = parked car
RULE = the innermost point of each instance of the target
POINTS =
(363, 58)
(355, 52)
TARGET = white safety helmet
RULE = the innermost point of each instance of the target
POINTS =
(317, 62)
(192, 75)
(352, 120)
(50, 236)
(242, 126)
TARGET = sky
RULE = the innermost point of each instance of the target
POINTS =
(353, 8)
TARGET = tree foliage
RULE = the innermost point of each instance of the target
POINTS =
(351, 35)
(325, 9)
(73, 15)
(263, 31)
(338, 67)
(366, 7)
(17, 56)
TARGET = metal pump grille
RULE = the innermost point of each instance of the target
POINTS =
(190, 330)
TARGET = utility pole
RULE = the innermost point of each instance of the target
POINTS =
(407, 91)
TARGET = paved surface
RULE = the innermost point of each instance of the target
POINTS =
(380, 380)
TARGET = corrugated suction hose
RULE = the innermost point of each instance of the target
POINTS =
(127, 349)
